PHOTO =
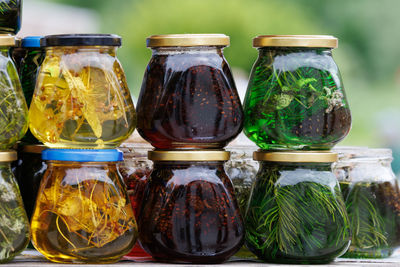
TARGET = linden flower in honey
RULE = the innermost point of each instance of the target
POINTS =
(81, 100)
(83, 216)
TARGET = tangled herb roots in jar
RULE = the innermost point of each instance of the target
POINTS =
(299, 221)
(14, 225)
(295, 100)
(82, 215)
(374, 215)
(81, 99)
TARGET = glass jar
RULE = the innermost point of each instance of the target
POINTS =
(14, 225)
(17, 53)
(29, 172)
(29, 69)
(135, 171)
(10, 16)
(83, 213)
(189, 212)
(81, 99)
(242, 170)
(296, 213)
(372, 197)
(13, 109)
(295, 98)
(186, 78)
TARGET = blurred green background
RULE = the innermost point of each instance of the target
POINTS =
(367, 56)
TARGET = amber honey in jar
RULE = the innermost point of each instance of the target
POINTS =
(83, 213)
(81, 99)
(189, 212)
(188, 98)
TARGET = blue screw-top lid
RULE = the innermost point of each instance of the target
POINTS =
(31, 41)
(83, 155)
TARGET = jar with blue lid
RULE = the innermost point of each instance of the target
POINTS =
(82, 212)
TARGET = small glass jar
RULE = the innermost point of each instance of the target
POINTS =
(372, 197)
(188, 77)
(13, 108)
(295, 98)
(10, 16)
(81, 99)
(29, 172)
(83, 213)
(189, 212)
(296, 213)
(29, 68)
(14, 225)
(135, 171)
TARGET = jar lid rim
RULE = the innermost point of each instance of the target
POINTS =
(163, 40)
(81, 40)
(323, 41)
(8, 155)
(296, 156)
(31, 41)
(83, 155)
(7, 40)
(189, 155)
(33, 148)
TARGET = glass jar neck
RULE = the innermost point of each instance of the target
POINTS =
(287, 50)
(4, 51)
(185, 164)
(74, 164)
(64, 50)
(322, 166)
(190, 49)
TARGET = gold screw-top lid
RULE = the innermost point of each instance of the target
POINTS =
(327, 41)
(7, 40)
(187, 40)
(296, 156)
(33, 148)
(8, 155)
(190, 155)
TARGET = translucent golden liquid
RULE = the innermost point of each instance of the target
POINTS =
(83, 215)
(81, 100)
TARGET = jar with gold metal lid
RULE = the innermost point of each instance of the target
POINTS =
(81, 99)
(296, 213)
(295, 98)
(13, 108)
(189, 212)
(14, 224)
(188, 98)
(82, 212)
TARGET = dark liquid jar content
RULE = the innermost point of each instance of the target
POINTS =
(296, 213)
(10, 16)
(29, 171)
(29, 68)
(295, 97)
(135, 171)
(189, 212)
(188, 98)
(372, 195)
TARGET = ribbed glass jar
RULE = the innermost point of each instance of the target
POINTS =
(188, 98)
(296, 213)
(295, 98)
(14, 224)
(372, 195)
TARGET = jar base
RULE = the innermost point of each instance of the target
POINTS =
(83, 145)
(68, 259)
(368, 253)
